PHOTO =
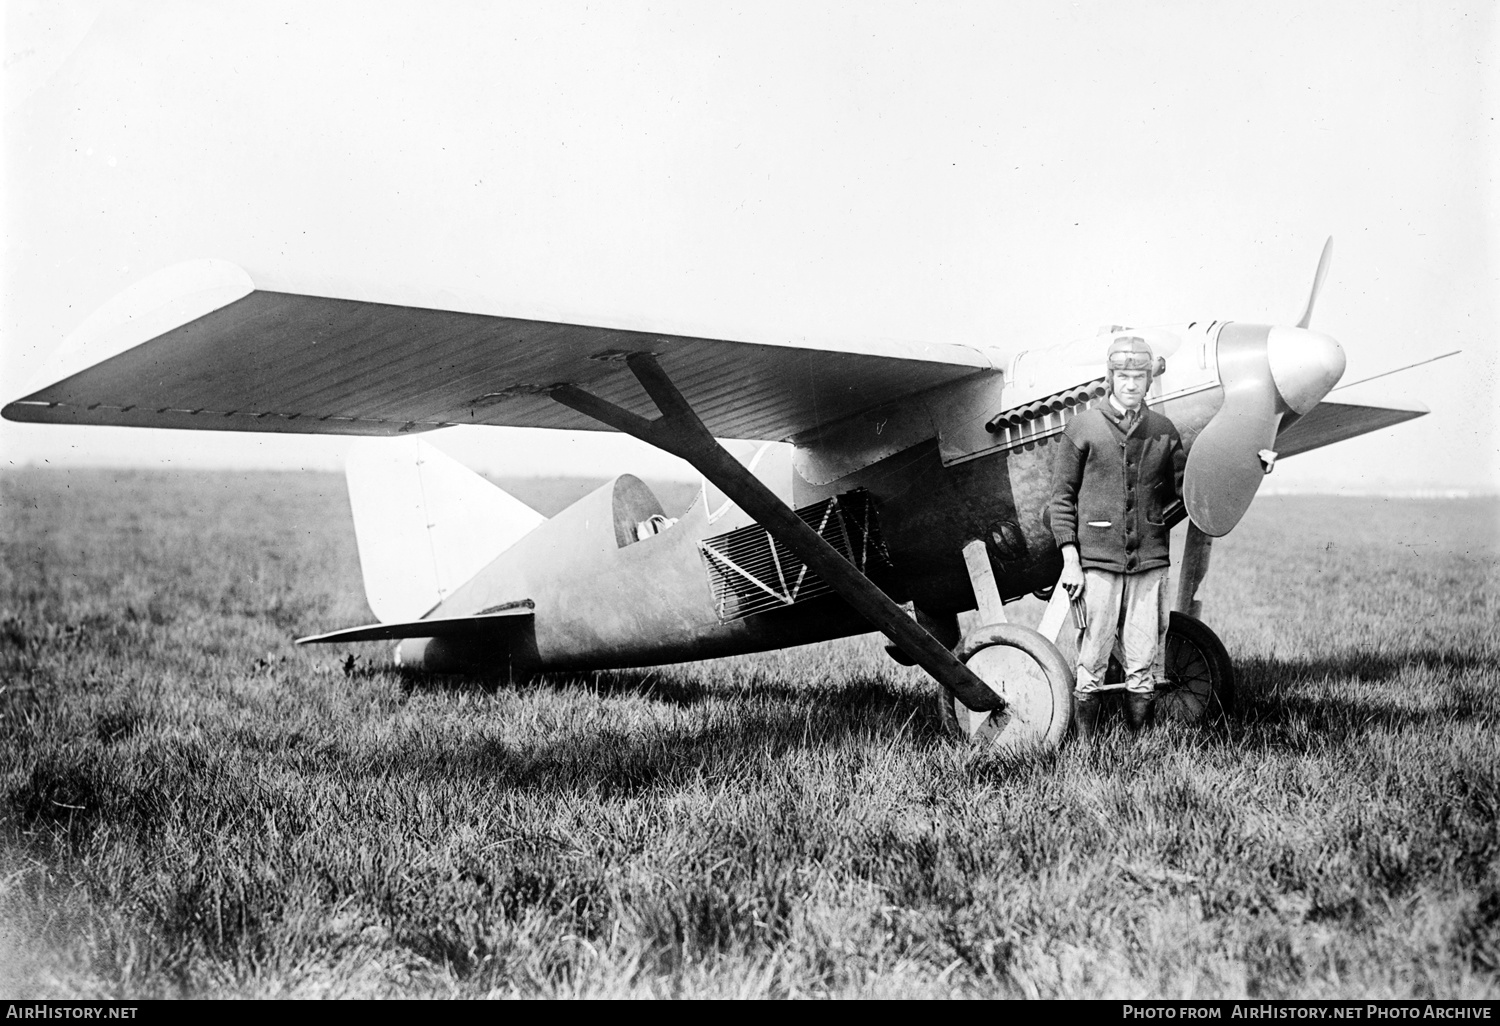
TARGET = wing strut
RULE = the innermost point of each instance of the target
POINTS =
(680, 432)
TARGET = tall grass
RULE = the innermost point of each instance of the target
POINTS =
(190, 806)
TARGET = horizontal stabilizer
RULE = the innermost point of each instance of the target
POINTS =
(1346, 413)
(496, 622)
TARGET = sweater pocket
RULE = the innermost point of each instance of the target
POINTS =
(1153, 510)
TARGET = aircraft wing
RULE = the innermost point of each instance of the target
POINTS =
(1345, 413)
(498, 621)
(203, 346)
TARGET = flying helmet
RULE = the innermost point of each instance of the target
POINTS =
(1131, 352)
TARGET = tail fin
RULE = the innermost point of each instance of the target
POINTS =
(425, 523)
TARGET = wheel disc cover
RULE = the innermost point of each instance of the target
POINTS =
(1029, 710)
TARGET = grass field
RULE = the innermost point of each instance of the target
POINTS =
(189, 806)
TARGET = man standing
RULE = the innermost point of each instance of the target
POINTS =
(1118, 467)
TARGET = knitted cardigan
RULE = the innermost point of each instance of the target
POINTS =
(1109, 489)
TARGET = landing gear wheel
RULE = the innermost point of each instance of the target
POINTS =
(1027, 671)
(1200, 675)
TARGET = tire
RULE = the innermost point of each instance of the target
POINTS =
(1028, 671)
(1200, 675)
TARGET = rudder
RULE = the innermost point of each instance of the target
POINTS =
(425, 524)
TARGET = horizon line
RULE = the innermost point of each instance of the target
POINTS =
(1425, 491)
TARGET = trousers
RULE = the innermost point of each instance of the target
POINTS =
(1143, 599)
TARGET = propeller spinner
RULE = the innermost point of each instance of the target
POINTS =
(1267, 372)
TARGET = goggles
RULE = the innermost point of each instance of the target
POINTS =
(1130, 353)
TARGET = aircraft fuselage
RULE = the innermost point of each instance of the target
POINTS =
(939, 473)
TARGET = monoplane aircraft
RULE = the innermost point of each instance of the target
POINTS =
(914, 501)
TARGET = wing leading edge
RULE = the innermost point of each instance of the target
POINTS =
(200, 346)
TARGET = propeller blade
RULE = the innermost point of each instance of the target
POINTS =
(1225, 466)
(1322, 272)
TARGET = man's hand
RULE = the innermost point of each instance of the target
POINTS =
(1071, 580)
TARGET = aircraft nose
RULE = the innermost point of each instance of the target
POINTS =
(1304, 364)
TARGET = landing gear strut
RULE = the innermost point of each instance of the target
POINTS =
(1200, 675)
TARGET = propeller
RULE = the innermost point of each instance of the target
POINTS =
(1266, 372)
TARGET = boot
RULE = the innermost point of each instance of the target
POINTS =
(1086, 716)
(1138, 706)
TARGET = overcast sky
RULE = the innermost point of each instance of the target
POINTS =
(1006, 174)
